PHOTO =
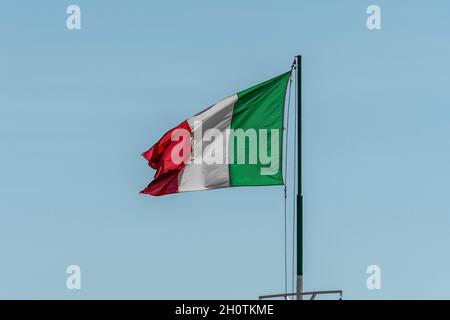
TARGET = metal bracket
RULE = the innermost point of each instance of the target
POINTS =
(312, 294)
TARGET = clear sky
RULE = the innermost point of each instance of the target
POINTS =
(78, 107)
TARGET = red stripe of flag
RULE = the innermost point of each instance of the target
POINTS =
(159, 158)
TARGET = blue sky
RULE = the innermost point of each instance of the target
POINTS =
(78, 107)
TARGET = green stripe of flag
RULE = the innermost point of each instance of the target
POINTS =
(259, 107)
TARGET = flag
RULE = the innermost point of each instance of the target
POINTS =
(236, 142)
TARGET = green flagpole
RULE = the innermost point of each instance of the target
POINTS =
(298, 79)
(299, 197)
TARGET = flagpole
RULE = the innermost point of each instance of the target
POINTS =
(298, 92)
(299, 293)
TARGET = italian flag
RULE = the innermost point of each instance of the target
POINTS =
(258, 109)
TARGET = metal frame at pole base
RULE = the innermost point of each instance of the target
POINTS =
(312, 294)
